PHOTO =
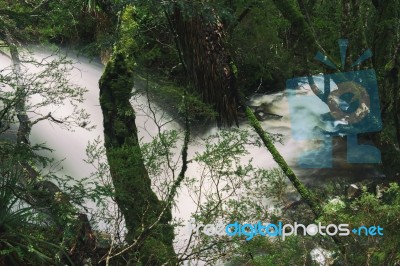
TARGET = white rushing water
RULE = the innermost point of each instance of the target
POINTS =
(72, 145)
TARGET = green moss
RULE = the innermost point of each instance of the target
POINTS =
(306, 194)
(136, 200)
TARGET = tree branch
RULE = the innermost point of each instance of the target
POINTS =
(184, 154)
(48, 116)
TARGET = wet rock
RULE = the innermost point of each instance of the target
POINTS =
(353, 191)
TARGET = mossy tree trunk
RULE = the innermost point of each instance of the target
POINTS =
(306, 195)
(141, 209)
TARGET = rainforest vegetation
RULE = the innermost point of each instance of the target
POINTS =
(200, 61)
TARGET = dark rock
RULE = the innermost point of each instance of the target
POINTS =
(353, 191)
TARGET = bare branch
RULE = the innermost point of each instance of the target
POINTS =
(48, 116)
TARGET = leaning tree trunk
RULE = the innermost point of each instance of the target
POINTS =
(138, 203)
(201, 41)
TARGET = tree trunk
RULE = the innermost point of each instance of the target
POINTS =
(207, 61)
(138, 203)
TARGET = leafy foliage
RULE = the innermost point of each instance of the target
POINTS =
(194, 49)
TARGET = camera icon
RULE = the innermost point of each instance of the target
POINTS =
(339, 104)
